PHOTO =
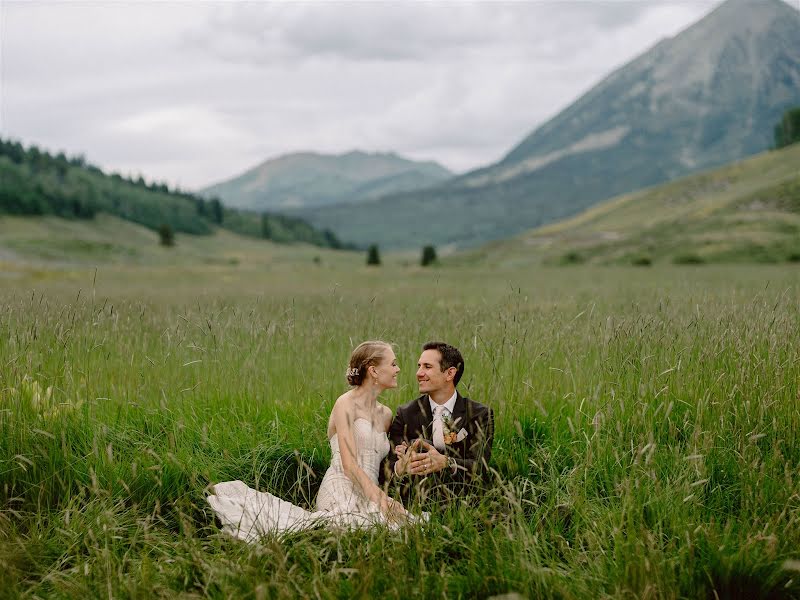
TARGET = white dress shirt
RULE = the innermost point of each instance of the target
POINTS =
(449, 405)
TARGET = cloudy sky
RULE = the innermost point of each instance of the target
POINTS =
(194, 93)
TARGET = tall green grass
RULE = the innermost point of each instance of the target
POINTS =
(647, 438)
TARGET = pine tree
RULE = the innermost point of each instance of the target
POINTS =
(373, 256)
(266, 227)
(331, 240)
(788, 130)
(216, 210)
(428, 256)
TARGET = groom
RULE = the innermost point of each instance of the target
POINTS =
(442, 441)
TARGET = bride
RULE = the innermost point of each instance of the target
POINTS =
(349, 495)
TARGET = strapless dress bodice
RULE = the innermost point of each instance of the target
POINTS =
(371, 447)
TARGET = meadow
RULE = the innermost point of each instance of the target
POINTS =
(647, 444)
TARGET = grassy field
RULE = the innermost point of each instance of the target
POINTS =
(648, 441)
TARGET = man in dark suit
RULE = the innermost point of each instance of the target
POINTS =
(442, 441)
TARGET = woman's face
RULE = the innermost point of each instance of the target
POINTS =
(386, 372)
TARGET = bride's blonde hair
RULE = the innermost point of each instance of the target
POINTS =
(366, 355)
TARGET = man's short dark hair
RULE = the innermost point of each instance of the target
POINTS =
(451, 357)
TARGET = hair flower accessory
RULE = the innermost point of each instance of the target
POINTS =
(352, 372)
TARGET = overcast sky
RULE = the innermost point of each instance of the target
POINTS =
(194, 93)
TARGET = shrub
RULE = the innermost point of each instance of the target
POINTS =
(688, 258)
(166, 235)
(572, 258)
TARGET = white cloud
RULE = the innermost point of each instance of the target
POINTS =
(194, 93)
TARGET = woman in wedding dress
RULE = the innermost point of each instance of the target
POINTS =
(349, 495)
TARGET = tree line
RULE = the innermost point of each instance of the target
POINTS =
(36, 182)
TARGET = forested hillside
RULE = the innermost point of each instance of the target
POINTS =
(35, 182)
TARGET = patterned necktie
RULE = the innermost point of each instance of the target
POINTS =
(438, 428)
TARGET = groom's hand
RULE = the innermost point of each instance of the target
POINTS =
(428, 461)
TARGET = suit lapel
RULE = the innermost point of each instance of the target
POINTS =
(460, 419)
(425, 416)
(460, 412)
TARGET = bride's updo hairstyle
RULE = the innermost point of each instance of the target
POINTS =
(366, 355)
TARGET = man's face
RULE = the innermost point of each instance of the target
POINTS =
(429, 372)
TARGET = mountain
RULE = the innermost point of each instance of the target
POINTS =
(748, 211)
(309, 180)
(706, 97)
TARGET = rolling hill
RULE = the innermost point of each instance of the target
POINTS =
(51, 244)
(748, 211)
(310, 180)
(706, 97)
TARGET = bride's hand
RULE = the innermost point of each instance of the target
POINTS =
(401, 451)
(405, 453)
(392, 509)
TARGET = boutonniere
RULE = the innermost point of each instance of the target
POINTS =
(450, 429)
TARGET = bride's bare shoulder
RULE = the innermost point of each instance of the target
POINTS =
(386, 416)
(344, 402)
(345, 397)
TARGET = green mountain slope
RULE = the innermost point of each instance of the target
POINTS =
(34, 183)
(746, 211)
(708, 96)
(310, 180)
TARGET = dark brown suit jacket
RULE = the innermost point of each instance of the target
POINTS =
(472, 454)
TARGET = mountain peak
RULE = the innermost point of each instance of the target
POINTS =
(311, 179)
(733, 18)
(742, 55)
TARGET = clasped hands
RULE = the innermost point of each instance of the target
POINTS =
(419, 458)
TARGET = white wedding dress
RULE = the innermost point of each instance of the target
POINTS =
(248, 514)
